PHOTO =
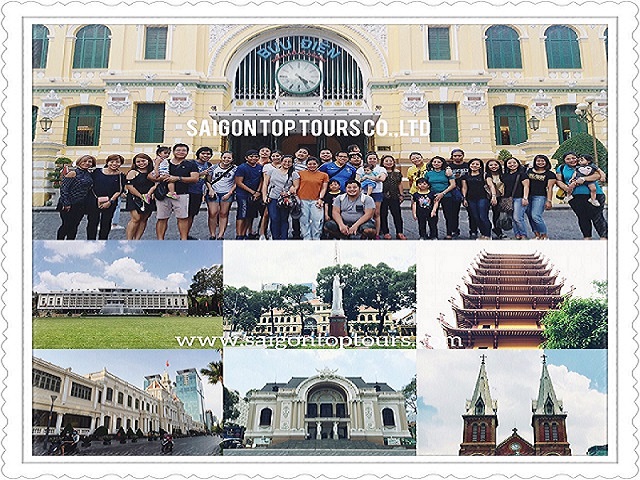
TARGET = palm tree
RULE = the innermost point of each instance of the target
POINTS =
(213, 372)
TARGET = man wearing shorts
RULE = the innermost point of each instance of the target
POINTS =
(248, 183)
(352, 214)
(182, 172)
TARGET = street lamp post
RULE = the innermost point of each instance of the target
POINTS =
(586, 114)
(46, 435)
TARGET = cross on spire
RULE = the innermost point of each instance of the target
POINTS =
(544, 359)
(483, 356)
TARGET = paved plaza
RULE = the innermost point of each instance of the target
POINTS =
(188, 446)
(561, 223)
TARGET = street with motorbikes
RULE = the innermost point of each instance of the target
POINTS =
(200, 445)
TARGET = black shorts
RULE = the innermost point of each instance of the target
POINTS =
(195, 200)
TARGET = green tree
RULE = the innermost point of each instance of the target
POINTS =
(578, 323)
(583, 143)
(386, 290)
(213, 372)
(348, 278)
(270, 301)
(205, 291)
(410, 396)
(230, 400)
(503, 155)
(55, 176)
(242, 308)
(601, 287)
(295, 301)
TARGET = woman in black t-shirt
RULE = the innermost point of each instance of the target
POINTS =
(516, 186)
(541, 182)
(475, 197)
(108, 185)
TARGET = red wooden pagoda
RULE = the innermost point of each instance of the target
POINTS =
(506, 297)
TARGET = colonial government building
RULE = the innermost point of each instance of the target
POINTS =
(89, 401)
(101, 89)
(326, 406)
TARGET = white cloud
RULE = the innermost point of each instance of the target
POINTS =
(62, 251)
(68, 281)
(125, 246)
(128, 272)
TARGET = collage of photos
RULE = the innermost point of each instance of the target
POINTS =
(179, 307)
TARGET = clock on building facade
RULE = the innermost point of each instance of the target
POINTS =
(298, 77)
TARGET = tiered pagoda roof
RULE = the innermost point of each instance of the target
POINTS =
(507, 296)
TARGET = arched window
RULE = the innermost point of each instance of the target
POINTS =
(39, 46)
(554, 432)
(92, 47)
(84, 126)
(265, 417)
(474, 432)
(548, 406)
(340, 77)
(547, 435)
(567, 122)
(388, 419)
(503, 47)
(562, 47)
(479, 407)
(483, 432)
(510, 124)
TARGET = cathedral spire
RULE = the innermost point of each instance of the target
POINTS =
(547, 402)
(481, 402)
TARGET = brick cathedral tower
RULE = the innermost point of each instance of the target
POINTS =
(548, 420)
(480, 419)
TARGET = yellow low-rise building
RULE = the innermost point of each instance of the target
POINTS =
(102, 89)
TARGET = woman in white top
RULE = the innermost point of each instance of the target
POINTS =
(224, 186)
(380, 176)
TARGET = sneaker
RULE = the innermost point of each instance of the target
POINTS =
(594, 202)
(262, 237)
(189, 237)
(473, 236)
(117, 227)
(172, 196)
(455, 235)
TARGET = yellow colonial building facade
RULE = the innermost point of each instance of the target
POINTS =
(102, 89)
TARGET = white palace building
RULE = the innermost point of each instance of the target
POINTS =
(112, 301)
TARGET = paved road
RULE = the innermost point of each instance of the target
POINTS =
(561, 222)
(189, 446)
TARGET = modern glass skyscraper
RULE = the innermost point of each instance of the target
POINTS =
(189, 390)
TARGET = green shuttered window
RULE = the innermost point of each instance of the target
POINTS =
(503, 47)
(92, 47)
(443, 118)
(84, 126)
(150, 123)
(562, 47)
(511, 124)
(155, 45)
(567, 122)
(39, 46)
(439, 47)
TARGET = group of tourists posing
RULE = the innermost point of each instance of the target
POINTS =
(333, 196)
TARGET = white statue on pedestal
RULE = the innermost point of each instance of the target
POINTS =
(336, 305)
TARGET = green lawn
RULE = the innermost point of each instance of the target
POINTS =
(123, 332)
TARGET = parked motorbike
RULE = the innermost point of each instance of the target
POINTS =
(166, 446)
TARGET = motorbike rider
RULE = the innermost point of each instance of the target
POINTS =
(70, 442)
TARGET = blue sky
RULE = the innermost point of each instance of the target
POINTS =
(446, 379)
(247, 368)
(143, 264)
(134, 365)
